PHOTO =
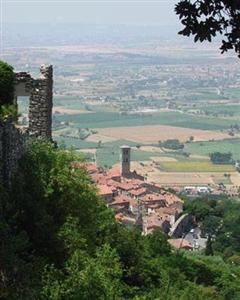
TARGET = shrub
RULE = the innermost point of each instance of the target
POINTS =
(172, 144)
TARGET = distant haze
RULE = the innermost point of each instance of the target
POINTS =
(158, 12)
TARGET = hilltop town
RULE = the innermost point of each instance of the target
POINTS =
(119, 160)
(135, 201)
(138, 202)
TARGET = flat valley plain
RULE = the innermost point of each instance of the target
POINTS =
(152, 134)
(106, 96)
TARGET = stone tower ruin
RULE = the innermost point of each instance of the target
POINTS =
(40, 92)
(125, 159)
(12, 138)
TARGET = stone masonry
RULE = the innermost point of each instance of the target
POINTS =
(40, 100)
(12, 139)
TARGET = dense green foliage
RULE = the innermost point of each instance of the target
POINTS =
(220, 220)
(172, 144)
(221, 158)
(205, 19)
(6, 84)
(59, 241)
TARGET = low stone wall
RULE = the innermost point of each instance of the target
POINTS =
(12, 142)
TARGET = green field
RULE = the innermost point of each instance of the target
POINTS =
(205, 148)
(109, 153)
(73, 142)
(69, 102)
(108, 119)
(233, 93)
(198, 95)
(233, 110)
(194, 166)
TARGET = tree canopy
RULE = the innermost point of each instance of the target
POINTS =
(6, 83)
(205, 19)
(60, 241)
(221, 158)
(173, 144)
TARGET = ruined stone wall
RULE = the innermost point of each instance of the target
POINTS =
(40, 102)
(12, 142)
(12, 139)
(40, 109)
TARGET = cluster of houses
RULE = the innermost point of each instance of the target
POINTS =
(137, 202)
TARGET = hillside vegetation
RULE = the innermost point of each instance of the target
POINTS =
(59, 241)
(7, 77)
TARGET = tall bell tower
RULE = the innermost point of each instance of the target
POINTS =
(125, 159)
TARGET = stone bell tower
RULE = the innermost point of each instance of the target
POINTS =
(125, 159)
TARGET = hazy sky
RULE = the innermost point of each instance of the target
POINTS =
(142, 12)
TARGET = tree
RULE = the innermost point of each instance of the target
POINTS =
(173, 144)
(205, 19)
(209, 249)
(85, 277)
(221, 158)
(60, 241)
(191, 138)
(158, 243)
(6, 83)
(99, 144)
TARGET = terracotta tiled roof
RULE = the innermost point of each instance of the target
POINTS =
(105, 189)
(138, 192)
(121, 199)
(133, 202)
(119, 216)
(114, 171)
(167, 210)
(180, 243)
(90, 167)
(124, 218)
(154, 220)
(99, 178)
(126, 186)
(171, 198)
(150, 197)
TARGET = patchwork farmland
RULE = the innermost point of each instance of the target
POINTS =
(152, 134)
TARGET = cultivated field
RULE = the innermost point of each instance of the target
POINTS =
(153, 174)
(74, 142)
(155, 133)
(151, 149)
(97, 137)
(69, 111)
(163, 159)
(194, 166)
(102, 119)
(224, 146)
